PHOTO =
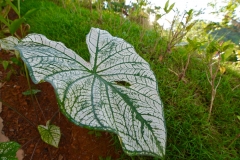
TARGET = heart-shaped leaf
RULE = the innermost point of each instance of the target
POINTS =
(115, 92)
(50, 134)
(8, 150)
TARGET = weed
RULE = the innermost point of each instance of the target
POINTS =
(97, 134)
(11, 64)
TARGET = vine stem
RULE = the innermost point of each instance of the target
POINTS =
(54, 116)
(34, 149)
(29, 141)
(181, 75)
(29, 85)
(39, 107)
(12, 108)
(235, 87)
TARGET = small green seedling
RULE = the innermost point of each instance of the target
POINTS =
(31, 92)
(97, 134)
(50, 134)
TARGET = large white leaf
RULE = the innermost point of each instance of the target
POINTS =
(8, 43)
(115, 92)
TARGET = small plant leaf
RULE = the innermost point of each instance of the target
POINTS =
(16, 61)
(170, 8)
(9, 74)
(50, 134)
(8, 150)
(116, 91)
(158, 16)
(15, 25)
(31, 92)
(29, 12)
(4, 21)
(5, 64)
(13, 7)
(166, 6)
(188, 28)
(8, 43)
(238, 118)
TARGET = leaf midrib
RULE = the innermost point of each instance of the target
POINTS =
(129, 103)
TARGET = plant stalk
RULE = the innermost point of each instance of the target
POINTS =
(212, 83)
(12, 108)
(29, 85)
(34, 149)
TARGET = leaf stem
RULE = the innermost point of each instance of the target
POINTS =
(34, 149)
(53, 116)
(29, 141)
(29, 85)
(12, 108)
(39, 107)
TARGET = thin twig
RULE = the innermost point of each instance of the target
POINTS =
(211, 104)
(236, 87)
(64, 6)
(53, 116)
(40, 107)
(50, 154)
(218, 83)
(12, 108)
(34, 149)
(216, 72)
(2, 84)
(183, 74)
(208, 78)
(29, 85)
(211, 74)
(173, 71)
(29, 141)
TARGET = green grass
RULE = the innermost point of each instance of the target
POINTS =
(189, 134)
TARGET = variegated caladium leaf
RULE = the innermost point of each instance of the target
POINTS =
(8, 43)
(116, 91)
(50, 134)
(8, 150)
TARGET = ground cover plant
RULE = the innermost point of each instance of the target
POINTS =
(186, 103)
